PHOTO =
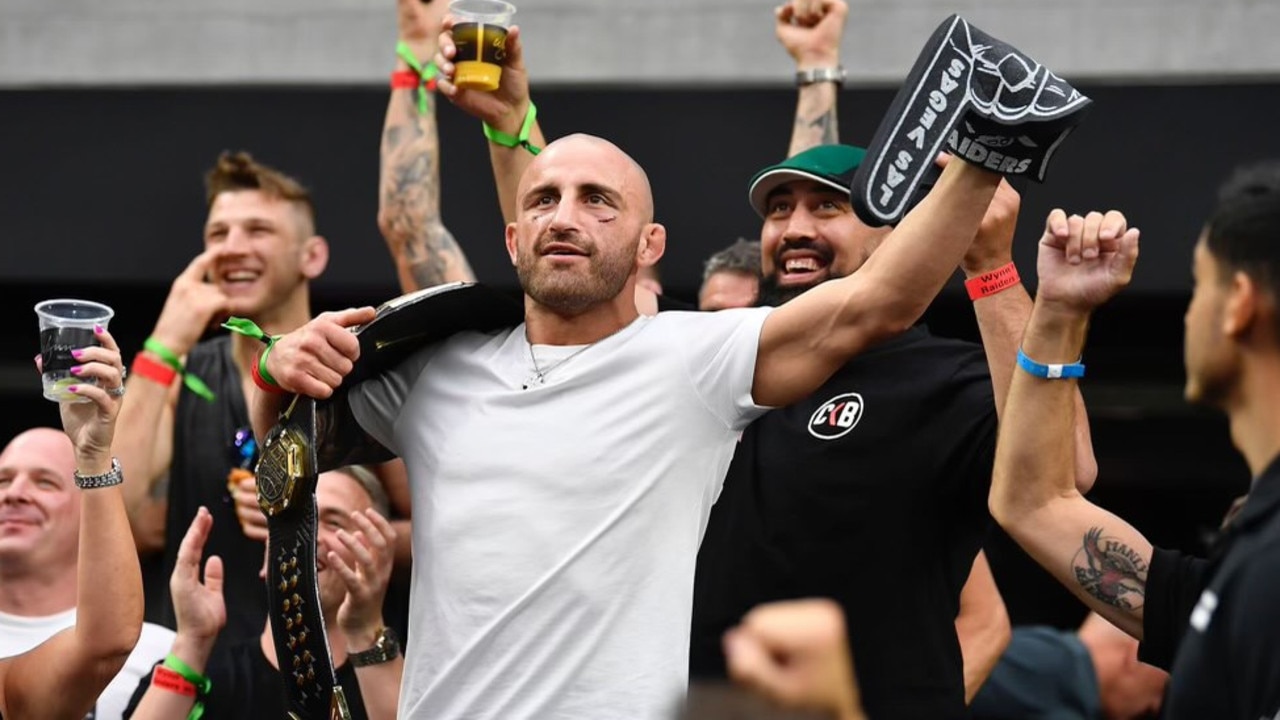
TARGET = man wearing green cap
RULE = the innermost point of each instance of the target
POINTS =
(871, 491)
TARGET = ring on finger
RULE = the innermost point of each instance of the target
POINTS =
(116, 391)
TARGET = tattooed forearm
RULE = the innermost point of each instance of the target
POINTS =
(822, 127)
(409, 201)
(815, 122)
(436, 258)
(1111, 571)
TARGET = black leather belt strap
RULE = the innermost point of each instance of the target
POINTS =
(286, 490)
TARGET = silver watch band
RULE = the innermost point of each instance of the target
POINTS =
(816, 75)
(106, 479)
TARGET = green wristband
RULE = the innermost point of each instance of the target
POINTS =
(427, 74)
(201, 683)
(505, 140)
(170, 358)
(249, 328)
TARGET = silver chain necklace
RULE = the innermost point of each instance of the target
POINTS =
(540, 374)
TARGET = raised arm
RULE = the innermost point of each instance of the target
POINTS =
(505, 110)
(424, 251)
(810, 31)
(808, 338)
(201, 614)
(1002, 316)
(144, 443)
(63, 676)
(1096, 555)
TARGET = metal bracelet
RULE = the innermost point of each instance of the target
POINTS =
(816, 75)
(106, 479)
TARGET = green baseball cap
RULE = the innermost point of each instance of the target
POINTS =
(832, 165)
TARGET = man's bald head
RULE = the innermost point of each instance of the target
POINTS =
(616, 166)
(41, 506)
(51, 446)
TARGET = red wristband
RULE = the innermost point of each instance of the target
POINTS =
(167, 679)
(157, 372)
(262, 383)
(990, 283)
(405, 80)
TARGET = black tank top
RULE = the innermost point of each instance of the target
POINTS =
(203, 456)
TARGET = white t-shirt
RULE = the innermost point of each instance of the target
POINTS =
(19, 634)
(555, 529)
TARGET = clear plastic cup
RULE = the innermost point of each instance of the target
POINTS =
(66, 325)
(480, 36)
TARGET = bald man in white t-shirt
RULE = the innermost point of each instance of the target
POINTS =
(563, 470)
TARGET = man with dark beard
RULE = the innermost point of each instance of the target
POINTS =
(871, 491)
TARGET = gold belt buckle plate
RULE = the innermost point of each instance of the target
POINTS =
(285, 460)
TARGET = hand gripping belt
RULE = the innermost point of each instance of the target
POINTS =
(305, 442)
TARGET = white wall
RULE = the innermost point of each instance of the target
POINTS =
(59, 42)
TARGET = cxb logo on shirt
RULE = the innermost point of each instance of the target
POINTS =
(836, 417)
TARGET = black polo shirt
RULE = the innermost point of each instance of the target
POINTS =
(1216, 622)
(873, 492)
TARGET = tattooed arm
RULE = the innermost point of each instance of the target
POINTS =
(1099, 557)
(810, 30)
(424, 251)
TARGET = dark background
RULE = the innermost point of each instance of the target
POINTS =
(103, 198)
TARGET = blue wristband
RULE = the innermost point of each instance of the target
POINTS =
(1051, 371)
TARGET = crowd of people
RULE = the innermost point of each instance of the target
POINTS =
(771, 504)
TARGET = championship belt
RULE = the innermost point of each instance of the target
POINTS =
(976, 97)
(314, 436)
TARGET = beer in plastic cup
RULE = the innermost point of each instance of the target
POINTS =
(480, 36)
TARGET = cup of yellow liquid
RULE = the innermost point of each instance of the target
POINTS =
(480, 36)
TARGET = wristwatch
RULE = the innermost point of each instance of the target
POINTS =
(385, 649)
(106, 479)
(816, 75)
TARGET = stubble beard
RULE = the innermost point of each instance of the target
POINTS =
(568, 292)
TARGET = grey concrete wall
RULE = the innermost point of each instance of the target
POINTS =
(131, 42)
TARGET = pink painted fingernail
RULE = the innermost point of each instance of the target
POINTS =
(98, 329)
(75, 370)
(77, 354)
(74, 388)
